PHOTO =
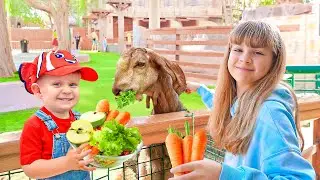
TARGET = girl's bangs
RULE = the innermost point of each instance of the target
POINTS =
(253, 35)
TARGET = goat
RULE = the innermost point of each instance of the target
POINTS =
(162, 81)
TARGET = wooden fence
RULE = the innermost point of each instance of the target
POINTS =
(154, 130)
(41, 39)
(198, 50)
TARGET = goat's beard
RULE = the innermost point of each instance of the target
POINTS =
(139, 96)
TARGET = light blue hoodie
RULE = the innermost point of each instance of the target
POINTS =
(273, 152)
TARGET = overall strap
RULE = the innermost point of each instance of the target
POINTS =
(51, 125)
(76, 114)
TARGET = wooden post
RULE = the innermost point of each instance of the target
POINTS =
(177, 47)
(316, 138)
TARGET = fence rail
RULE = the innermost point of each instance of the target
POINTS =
(154, 130)
(199, 50)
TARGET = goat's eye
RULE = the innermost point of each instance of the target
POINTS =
(140, 64)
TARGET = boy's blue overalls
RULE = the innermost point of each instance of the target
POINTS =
(60, 147)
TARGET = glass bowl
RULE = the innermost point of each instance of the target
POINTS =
(101, 161)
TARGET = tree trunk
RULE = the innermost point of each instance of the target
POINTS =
(7, 67)
(59, 11)
(61, 22)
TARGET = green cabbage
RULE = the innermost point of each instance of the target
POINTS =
(114, 138)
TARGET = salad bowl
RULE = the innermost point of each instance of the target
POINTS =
(102, 161)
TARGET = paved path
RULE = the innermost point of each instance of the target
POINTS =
(14, 97)
(19, 57)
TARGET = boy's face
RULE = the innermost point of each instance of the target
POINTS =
(59, 93)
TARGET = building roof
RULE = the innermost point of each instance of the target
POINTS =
(90, 16)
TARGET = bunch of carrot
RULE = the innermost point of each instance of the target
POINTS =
(104, 106)
(185, 149)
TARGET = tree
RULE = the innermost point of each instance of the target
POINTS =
(18, 8)
(7, 67)
(59, 11)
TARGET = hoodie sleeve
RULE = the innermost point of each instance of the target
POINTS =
(207, 95)
(294, 168)
(274, 147)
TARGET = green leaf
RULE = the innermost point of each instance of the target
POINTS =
(125, 98)
(114, 138)
(18, 8)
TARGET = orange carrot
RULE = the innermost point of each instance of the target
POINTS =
(112, 115)
(94, 151)
(187, 144)
(103, 106)
(199, 145)
(87, 147)
(174, 147)
(123, 118)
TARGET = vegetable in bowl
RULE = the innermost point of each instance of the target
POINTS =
(114, 138)
(116, 144)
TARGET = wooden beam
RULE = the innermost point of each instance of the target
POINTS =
(163, 31)
(209, 42)
(154, 127)
(180, 42)
(173, 52)
(163, 42)
(205, 30)
(309, 114)
(309, 103)
(201, 76)
(198, 65)
(204, 54)
(10, 151)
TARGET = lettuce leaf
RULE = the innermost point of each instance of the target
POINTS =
(125, 98)
(114, 138)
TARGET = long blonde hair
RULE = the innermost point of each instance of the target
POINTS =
(235, 135)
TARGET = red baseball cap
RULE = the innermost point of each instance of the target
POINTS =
(54, 63)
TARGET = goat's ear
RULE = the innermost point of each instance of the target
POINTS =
(128, 52)
(171, 68)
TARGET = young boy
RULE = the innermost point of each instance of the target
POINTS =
(54, 78)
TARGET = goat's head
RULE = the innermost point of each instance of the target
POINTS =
(138, 69)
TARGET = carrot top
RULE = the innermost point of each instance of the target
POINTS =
(187, 128)
(193, 121)
(172, 130)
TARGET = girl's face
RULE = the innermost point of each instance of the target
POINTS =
(248, 65)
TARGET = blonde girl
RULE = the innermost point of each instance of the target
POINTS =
(254, 116)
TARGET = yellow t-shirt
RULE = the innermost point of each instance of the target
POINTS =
(55, 35)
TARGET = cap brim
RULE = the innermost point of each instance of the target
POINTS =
(87, 73)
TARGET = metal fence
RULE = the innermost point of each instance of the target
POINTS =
(133, 164)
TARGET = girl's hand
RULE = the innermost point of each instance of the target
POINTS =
(75, 159)
(204, 169)
(192, 86)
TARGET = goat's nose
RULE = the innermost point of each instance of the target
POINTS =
(116, 91)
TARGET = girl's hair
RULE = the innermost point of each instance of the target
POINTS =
(235, 135)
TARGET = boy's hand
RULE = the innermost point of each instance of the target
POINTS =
(75, 159)
(192, 86)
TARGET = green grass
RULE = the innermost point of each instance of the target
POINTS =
(92, 92)
(15, 77)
